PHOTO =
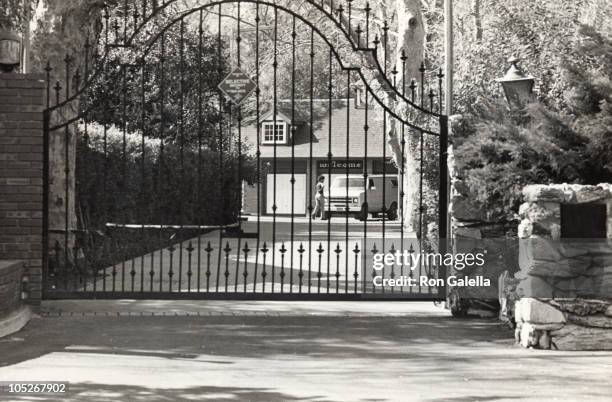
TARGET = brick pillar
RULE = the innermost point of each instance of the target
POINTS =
(21, 174)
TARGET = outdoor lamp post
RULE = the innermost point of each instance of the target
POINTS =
(10, 51)
(517, 86)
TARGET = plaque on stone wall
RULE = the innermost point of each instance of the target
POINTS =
(583, 221)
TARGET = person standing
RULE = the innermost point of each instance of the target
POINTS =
(319, 198)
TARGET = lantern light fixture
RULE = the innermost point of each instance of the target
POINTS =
(518, 86)
(10, 51)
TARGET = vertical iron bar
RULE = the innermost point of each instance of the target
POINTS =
(356, 272)
(123, 164)
(258, 152)
(384, 144)
(443, 200)
(338, 251)
(67, 177)
(160, 180)
(402, 193)
(364, 207)
(348, 202)
(151, 270)
(264, 250)
(245, 274)
(301, 272)
(413, 96)
(220, 140)
(143, 200)
(374, 251)
(208, 250)
(310, 164)
(171, 249)
(105, 113)
(293, 133)
(190, 250)
(393, 252)
(230, 167)
(239, 178)
(350, 14)
(132, 273)
(181, 148)
(282, 250)
(320, 251)
(226, 274)
(200, 132)
(329, 164)
(440, 93)
(367, 25)
(274, 130)
(421, 167)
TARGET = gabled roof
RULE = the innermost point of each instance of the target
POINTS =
(279, 116)
(345, 123)
(287, 110)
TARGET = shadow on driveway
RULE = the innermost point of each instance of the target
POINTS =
(255, 358)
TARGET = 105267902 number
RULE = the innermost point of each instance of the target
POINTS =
(33, 387)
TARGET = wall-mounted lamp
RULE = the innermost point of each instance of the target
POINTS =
(10, 52)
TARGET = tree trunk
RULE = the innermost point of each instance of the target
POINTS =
(410, 31)
(411, 36)
(62, 29)
(477, 20)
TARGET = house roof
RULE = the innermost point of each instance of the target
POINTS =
(343, 131)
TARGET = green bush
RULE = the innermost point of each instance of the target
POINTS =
(170, 185)
(501, 151)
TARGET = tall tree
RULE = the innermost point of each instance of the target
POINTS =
(62, 29)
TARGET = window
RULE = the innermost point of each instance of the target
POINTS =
(353, 182)
(274, 133)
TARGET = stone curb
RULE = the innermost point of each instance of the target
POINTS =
(68, 314)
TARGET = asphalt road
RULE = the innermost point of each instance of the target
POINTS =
(265, 357)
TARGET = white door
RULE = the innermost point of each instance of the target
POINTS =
(283, 194)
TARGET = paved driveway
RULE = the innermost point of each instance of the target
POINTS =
(258, 354)
(290, 263)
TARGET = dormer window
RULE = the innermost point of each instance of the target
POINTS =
(274, 133)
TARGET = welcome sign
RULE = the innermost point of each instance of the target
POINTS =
(341, 164)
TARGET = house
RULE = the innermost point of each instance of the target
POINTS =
(293, 142)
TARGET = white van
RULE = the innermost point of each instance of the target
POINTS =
(357, 203)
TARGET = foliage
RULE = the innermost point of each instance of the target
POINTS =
(188, 108)
(123, 179)
(501, 151)
(14, 13)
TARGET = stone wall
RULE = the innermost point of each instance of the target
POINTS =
(564, 285)
(21, 174)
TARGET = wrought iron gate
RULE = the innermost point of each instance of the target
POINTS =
(181, 113)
